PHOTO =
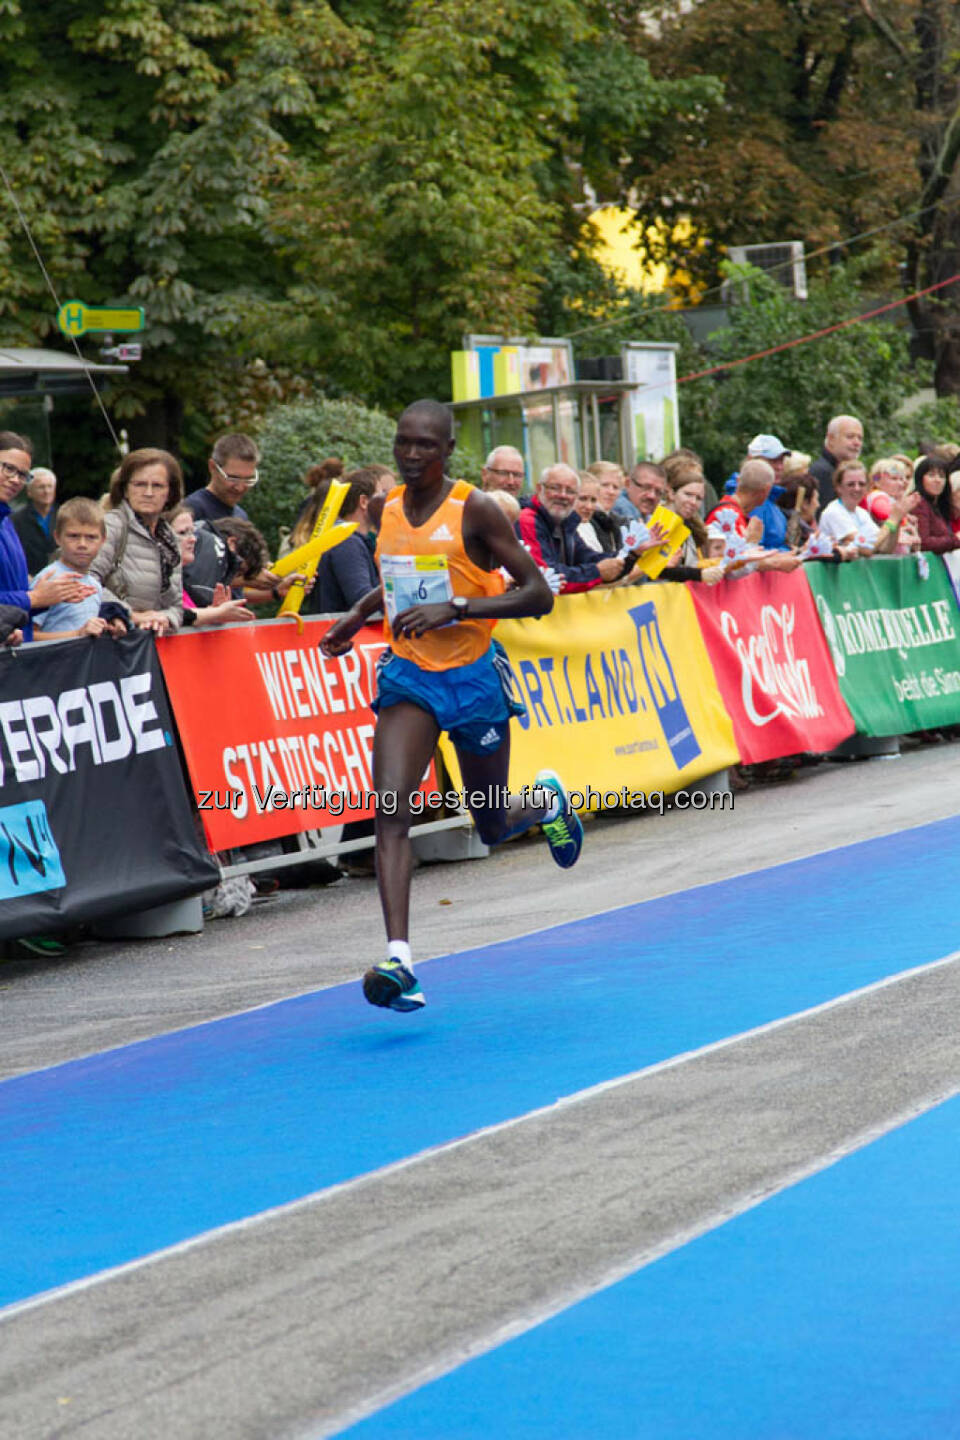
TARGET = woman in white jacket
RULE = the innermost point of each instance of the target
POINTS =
(139, 562)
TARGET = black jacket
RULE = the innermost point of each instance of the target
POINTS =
(608, 531)
(38, 546)
(345, 574)
(822, 471)
(214, 563)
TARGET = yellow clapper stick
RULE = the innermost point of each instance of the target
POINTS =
(300, 558)
(323, 530)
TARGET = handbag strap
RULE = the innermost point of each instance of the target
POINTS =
(119, 588)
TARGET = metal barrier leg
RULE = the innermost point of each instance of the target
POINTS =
(179, 917)
(866, 747)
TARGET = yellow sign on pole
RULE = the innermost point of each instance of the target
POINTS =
(75, 318)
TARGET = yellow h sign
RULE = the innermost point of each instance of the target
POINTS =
(75, 318)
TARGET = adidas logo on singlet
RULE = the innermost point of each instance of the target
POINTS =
(442, 532)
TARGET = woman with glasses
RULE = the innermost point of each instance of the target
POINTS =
(888, 482)
(139, 561)
(889, 479)
(224, 608)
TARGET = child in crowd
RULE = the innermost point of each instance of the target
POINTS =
(79, 532)
(713, 565)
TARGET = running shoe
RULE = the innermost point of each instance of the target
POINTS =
(565, 833)
(393, 987)
(27, 947)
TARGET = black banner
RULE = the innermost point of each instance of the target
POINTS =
(94, 814)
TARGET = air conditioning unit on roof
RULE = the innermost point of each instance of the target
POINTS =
(782, 259)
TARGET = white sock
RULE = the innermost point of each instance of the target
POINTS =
(400, 950)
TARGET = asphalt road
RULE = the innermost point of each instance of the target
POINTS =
(102, 995)
(306, 1319)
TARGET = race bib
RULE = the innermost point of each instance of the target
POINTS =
(414, 580)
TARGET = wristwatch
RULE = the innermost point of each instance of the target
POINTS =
(460, 603)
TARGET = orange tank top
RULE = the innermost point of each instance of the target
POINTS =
(428, 562)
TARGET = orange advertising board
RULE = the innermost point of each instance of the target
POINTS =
(277, 738)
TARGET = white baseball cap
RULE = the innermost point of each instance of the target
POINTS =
(766, 447)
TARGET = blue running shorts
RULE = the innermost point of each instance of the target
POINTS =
(473, 703)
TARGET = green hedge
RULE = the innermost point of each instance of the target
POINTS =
(299, 435)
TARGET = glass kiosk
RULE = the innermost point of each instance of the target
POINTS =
(514, 392)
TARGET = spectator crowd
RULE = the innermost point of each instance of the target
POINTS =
(778, 509)
(148, 556)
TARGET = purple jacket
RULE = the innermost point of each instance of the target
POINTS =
(14, 577)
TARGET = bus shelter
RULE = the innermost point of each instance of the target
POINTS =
(33, 379)
(576, 423)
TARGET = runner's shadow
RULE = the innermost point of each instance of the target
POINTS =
(402, 1040)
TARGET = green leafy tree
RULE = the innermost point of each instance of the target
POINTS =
(425, 217)
(470, 142)
(841, 117)
(301, 434)
(812, 140)
(148, 143)
(862, 370)
(918, 429)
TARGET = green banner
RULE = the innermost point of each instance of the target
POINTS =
(895, 640)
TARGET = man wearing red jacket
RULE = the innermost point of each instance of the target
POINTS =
(548, 529)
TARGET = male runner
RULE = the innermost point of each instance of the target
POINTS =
(439, 552)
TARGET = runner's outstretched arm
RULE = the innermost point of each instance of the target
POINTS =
(339, 637)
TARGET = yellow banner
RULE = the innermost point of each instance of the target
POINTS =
(620, 694)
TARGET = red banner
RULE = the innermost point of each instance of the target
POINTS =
(276, 737)
(772, 664)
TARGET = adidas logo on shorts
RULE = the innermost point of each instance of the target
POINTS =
(442, 532)
(492, 737)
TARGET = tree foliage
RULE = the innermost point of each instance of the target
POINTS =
(453, 184)
(325, 194)
(328, 192)
(918, 429)
(146, 142)
(859, 370)
(841, 117)
(812, 140)
(301, 434)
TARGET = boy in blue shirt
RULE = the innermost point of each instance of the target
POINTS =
(79, 532)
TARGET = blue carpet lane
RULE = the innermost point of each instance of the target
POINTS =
(112, 1157)
(830, 1312)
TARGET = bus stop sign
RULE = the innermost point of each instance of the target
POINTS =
(75, 318)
